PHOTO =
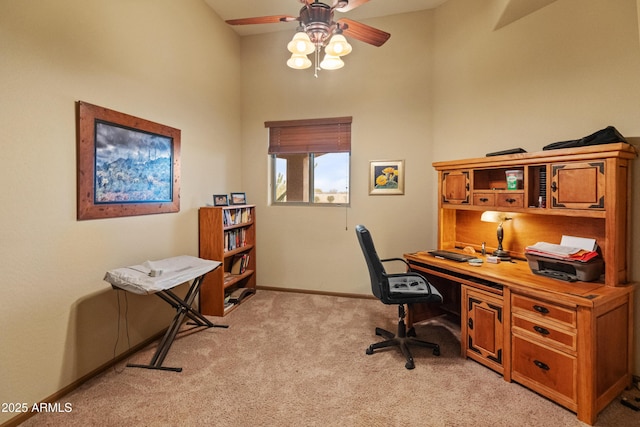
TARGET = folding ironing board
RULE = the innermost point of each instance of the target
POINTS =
(159, 277)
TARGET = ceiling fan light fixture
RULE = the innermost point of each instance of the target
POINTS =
(317, 29)
(301, 44)
(299, 61)
(331, 62)
(338, 46)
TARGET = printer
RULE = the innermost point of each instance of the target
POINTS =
(569, 270)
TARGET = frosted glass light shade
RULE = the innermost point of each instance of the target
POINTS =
(299, 61)
(338, 46)
(493, 216)
(331, 62)
(301, 44)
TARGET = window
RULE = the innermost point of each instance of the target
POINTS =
(310, 161)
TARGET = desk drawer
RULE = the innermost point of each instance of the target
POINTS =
(545, 370)
(510, 200)
(543, 310)
(484, 199)
(544, 332)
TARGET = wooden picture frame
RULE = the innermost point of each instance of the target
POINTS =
(238, 199)
(386, 177)
(126, 165)
(220, 200)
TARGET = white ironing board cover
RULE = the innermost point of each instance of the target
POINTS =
(175, 271)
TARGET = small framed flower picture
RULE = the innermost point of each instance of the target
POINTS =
(386, 177)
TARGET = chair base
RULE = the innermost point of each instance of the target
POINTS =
(402, 340)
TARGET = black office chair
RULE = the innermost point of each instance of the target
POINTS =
(399, 288)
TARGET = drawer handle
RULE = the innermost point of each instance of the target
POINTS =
(541, 365)
(484, 199)
(554, 187)
(470, 323)
(541, 309)
(510, 200)
(541, 330)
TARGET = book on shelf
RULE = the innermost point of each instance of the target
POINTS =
(239, 294)
(239, 264)
(228, 304)
(246, 215)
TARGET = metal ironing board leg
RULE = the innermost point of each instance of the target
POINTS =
(184, 309)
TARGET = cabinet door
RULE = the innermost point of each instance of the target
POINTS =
(483, 320)
(455, 187)
(579, 185)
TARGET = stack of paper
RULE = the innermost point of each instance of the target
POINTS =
(562, 252)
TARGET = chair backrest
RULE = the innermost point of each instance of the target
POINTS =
(379, 280)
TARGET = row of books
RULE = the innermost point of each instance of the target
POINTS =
(234, 239)
(236, 216)
(236, 296)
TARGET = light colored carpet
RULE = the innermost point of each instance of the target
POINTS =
(292, 359)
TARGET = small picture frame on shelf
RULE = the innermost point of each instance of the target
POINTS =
(238, 199)
(220, 200)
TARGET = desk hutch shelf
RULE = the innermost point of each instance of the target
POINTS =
(581, 191)
(226, 234)
(569, 341)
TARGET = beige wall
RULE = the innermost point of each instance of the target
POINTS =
(173, 62)
(387, 92)
(445, 86)
(560, 73)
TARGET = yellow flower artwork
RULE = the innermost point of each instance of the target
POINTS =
(387, 177)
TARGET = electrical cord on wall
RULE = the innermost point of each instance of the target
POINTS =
(346, 217)
(346, 228)
(126, 322)
(346, 205)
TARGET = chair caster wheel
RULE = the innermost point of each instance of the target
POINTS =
(436, 351)
(369, 350)
(409, 365)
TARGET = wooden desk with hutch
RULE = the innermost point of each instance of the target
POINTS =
(569, 341)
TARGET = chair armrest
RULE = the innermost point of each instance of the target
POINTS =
(395, 259)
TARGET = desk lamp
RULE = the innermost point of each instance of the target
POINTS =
(499, 217)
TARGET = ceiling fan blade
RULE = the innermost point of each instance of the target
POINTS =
(363, 32)
(352, 5)
(262, 20)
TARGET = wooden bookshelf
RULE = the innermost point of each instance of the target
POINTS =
(225, 233)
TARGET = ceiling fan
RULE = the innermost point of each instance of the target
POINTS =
(317, 29)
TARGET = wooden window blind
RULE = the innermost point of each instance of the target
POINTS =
(330, 135)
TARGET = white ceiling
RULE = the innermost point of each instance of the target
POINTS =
(234, 9)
